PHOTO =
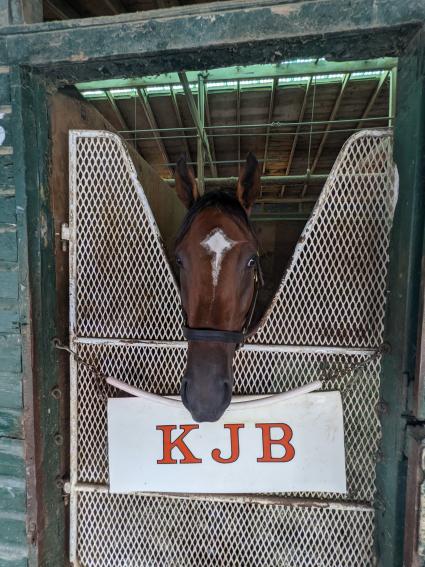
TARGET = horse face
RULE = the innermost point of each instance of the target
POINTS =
(216, 255)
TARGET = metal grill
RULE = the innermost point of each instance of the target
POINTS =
(155, 531)
(333, 292)
(327, 313)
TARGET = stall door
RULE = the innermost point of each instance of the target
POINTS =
(125, 320)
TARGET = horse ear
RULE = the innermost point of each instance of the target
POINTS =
(186, 186)
(249, 183)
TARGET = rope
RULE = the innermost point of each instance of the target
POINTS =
(102, 379)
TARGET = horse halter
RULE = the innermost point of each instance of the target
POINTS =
(235, 337)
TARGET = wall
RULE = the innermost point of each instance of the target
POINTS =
(13, 297)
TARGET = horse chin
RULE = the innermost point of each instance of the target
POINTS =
(206, 389)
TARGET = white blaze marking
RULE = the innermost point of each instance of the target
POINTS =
(217, 244)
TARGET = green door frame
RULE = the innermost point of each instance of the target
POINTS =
(45, 56)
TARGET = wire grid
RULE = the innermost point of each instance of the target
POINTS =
(333, 292)
(160, 532)
(159, 370)
(125, 287)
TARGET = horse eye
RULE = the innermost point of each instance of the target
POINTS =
(179, 261)
(251, 262)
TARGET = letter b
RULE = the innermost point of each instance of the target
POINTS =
(268, 442)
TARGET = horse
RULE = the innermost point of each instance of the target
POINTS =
(216, 251)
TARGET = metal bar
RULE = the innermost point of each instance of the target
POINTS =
(208, 121)
(297, 132)
(309, 349)
(296, 217)
(180, 123)
(325, 135)
(373, 98)
(276, 124)
(195, 116)
(265, 179)
(142, 97)
(269, 120)
(200, 148)
(240, 498)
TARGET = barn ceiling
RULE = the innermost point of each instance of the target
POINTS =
(294, 115)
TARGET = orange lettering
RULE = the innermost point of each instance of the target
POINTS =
(234, 445)
(168, 445)
(268, 442)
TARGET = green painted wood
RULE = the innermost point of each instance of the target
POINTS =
(37, 270)
(6, 171)
(11, 423)
(11, 390)
(7, 207)
(8, 242)
(255, 32)
(12, 459)
(9, 280)
(9, 316)
(10, 353)
(402, 309)
(13, 553)
(4, 89)
(12, 527)
(12, 495)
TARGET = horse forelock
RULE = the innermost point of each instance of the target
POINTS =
(223, 200)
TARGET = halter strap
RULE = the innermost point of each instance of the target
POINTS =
(212, 335)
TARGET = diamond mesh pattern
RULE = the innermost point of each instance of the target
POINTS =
(333, 292)
(125, 287)
(154, 531)
(159, 369)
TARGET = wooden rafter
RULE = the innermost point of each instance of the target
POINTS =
(150, 116)
(196, 119)
(180, 124)
(272, 103)
(334, 112)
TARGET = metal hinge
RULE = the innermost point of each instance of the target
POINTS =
(64, 236)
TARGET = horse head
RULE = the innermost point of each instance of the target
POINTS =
(217, 255)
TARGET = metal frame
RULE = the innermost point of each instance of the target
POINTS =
(77, 487)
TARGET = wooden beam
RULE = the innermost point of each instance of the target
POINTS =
(122, 121)
(373, 98)
(269, 119)
(181, 125)
(334, 112)
(61, 9)
(297, 132)
(151, 42)
(208, 121)
(196, 119)
(150, 116)
(270, 71)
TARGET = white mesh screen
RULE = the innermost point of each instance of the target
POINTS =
(333, 294)
(154, 531)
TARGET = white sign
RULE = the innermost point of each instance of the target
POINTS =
(294, 445)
